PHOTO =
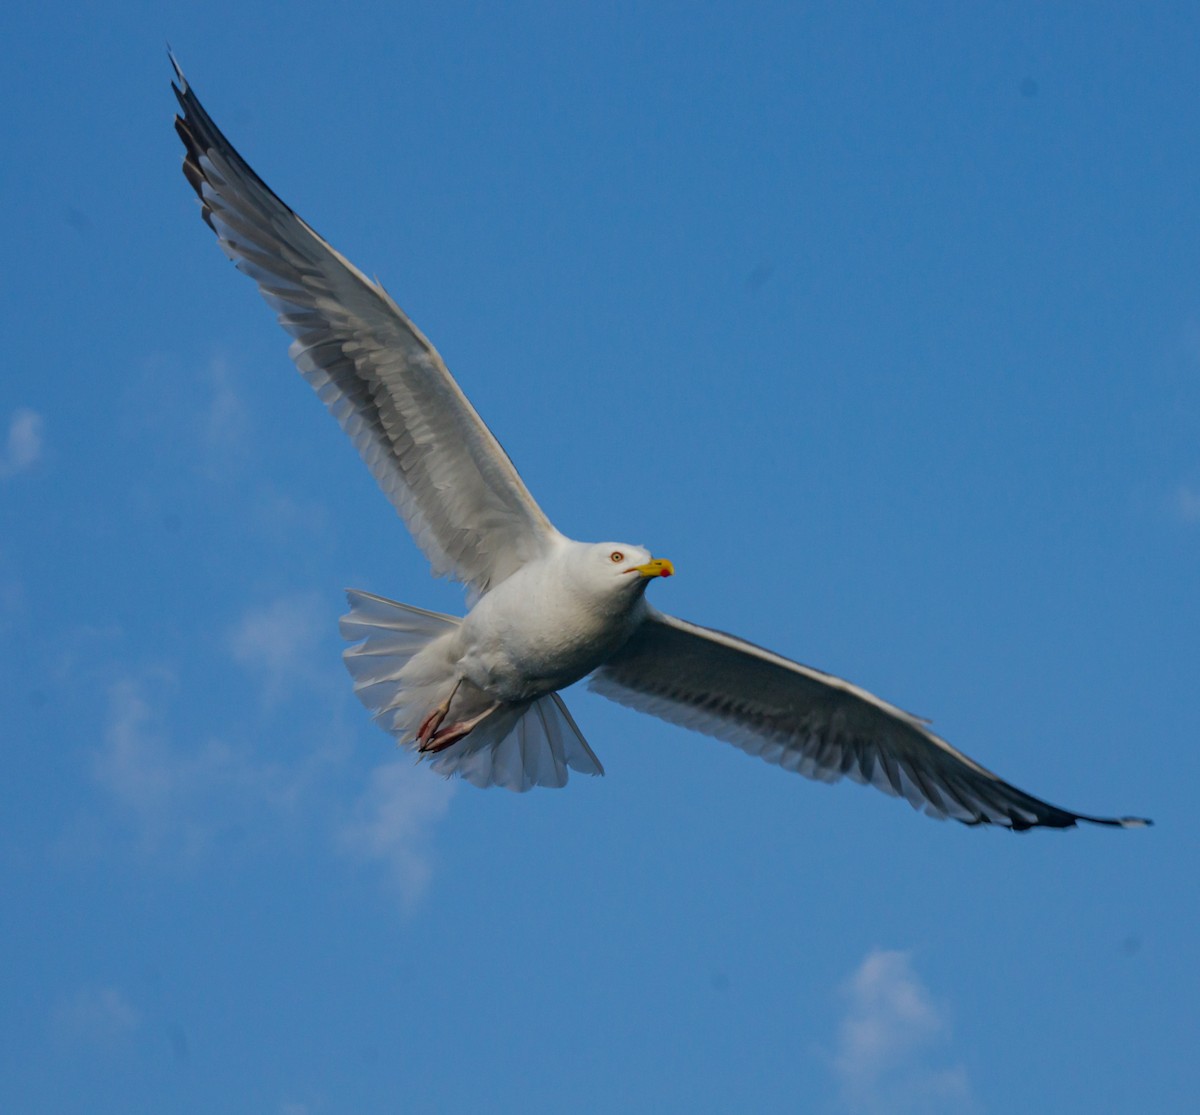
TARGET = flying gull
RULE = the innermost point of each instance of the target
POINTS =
(478, 695)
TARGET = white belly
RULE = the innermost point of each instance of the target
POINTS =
(529, 637)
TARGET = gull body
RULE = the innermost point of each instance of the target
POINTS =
(478, 696)
(555, 620)
(547, 626)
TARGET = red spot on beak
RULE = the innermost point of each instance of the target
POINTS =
(666, 572)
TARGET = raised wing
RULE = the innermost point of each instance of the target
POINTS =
(812, 723)
(437, 462)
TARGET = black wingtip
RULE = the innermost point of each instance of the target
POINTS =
(1058, 819)
(201, 136)
(1116, 822)
(177, 68)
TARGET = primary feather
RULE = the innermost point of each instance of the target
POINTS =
(437, 462)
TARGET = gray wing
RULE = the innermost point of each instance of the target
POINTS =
(437, 462)
(812, 723)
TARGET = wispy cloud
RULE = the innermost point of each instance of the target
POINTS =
(178, 799)
(133, 763)
(13, 599)
(888, 1034)
(391, 822)
(277, 642)
(287, 516)
(23, 445)
(178, 792)
(225, 433)
(98, 1015)
(1186, 504)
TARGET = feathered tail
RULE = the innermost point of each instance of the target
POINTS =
(400, 676)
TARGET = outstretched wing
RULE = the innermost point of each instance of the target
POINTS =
(437, 462)
(812, 723)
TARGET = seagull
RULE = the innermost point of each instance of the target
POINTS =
(478, 696)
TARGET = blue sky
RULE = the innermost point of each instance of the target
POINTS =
(881, 321)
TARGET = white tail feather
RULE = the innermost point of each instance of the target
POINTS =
(401, 674)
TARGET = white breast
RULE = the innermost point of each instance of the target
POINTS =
(536, 633)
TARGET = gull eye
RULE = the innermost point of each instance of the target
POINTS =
(616, 556)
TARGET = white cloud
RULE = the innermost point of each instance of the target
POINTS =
(178, 799)
(100, 1015)
(23, 447)
(390, 824)
(134, 764)
(225, 434)
(13, 596)
(286, 516)
(178, 795)
(1186, 504)
(885, 1038)
(278, 643)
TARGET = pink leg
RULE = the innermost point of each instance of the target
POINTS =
(442, 738)
(433, 721)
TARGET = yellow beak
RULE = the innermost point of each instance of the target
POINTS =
(659, 567)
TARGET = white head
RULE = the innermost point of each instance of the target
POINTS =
(615, 571)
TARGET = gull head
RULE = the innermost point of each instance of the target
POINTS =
(615, 570)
